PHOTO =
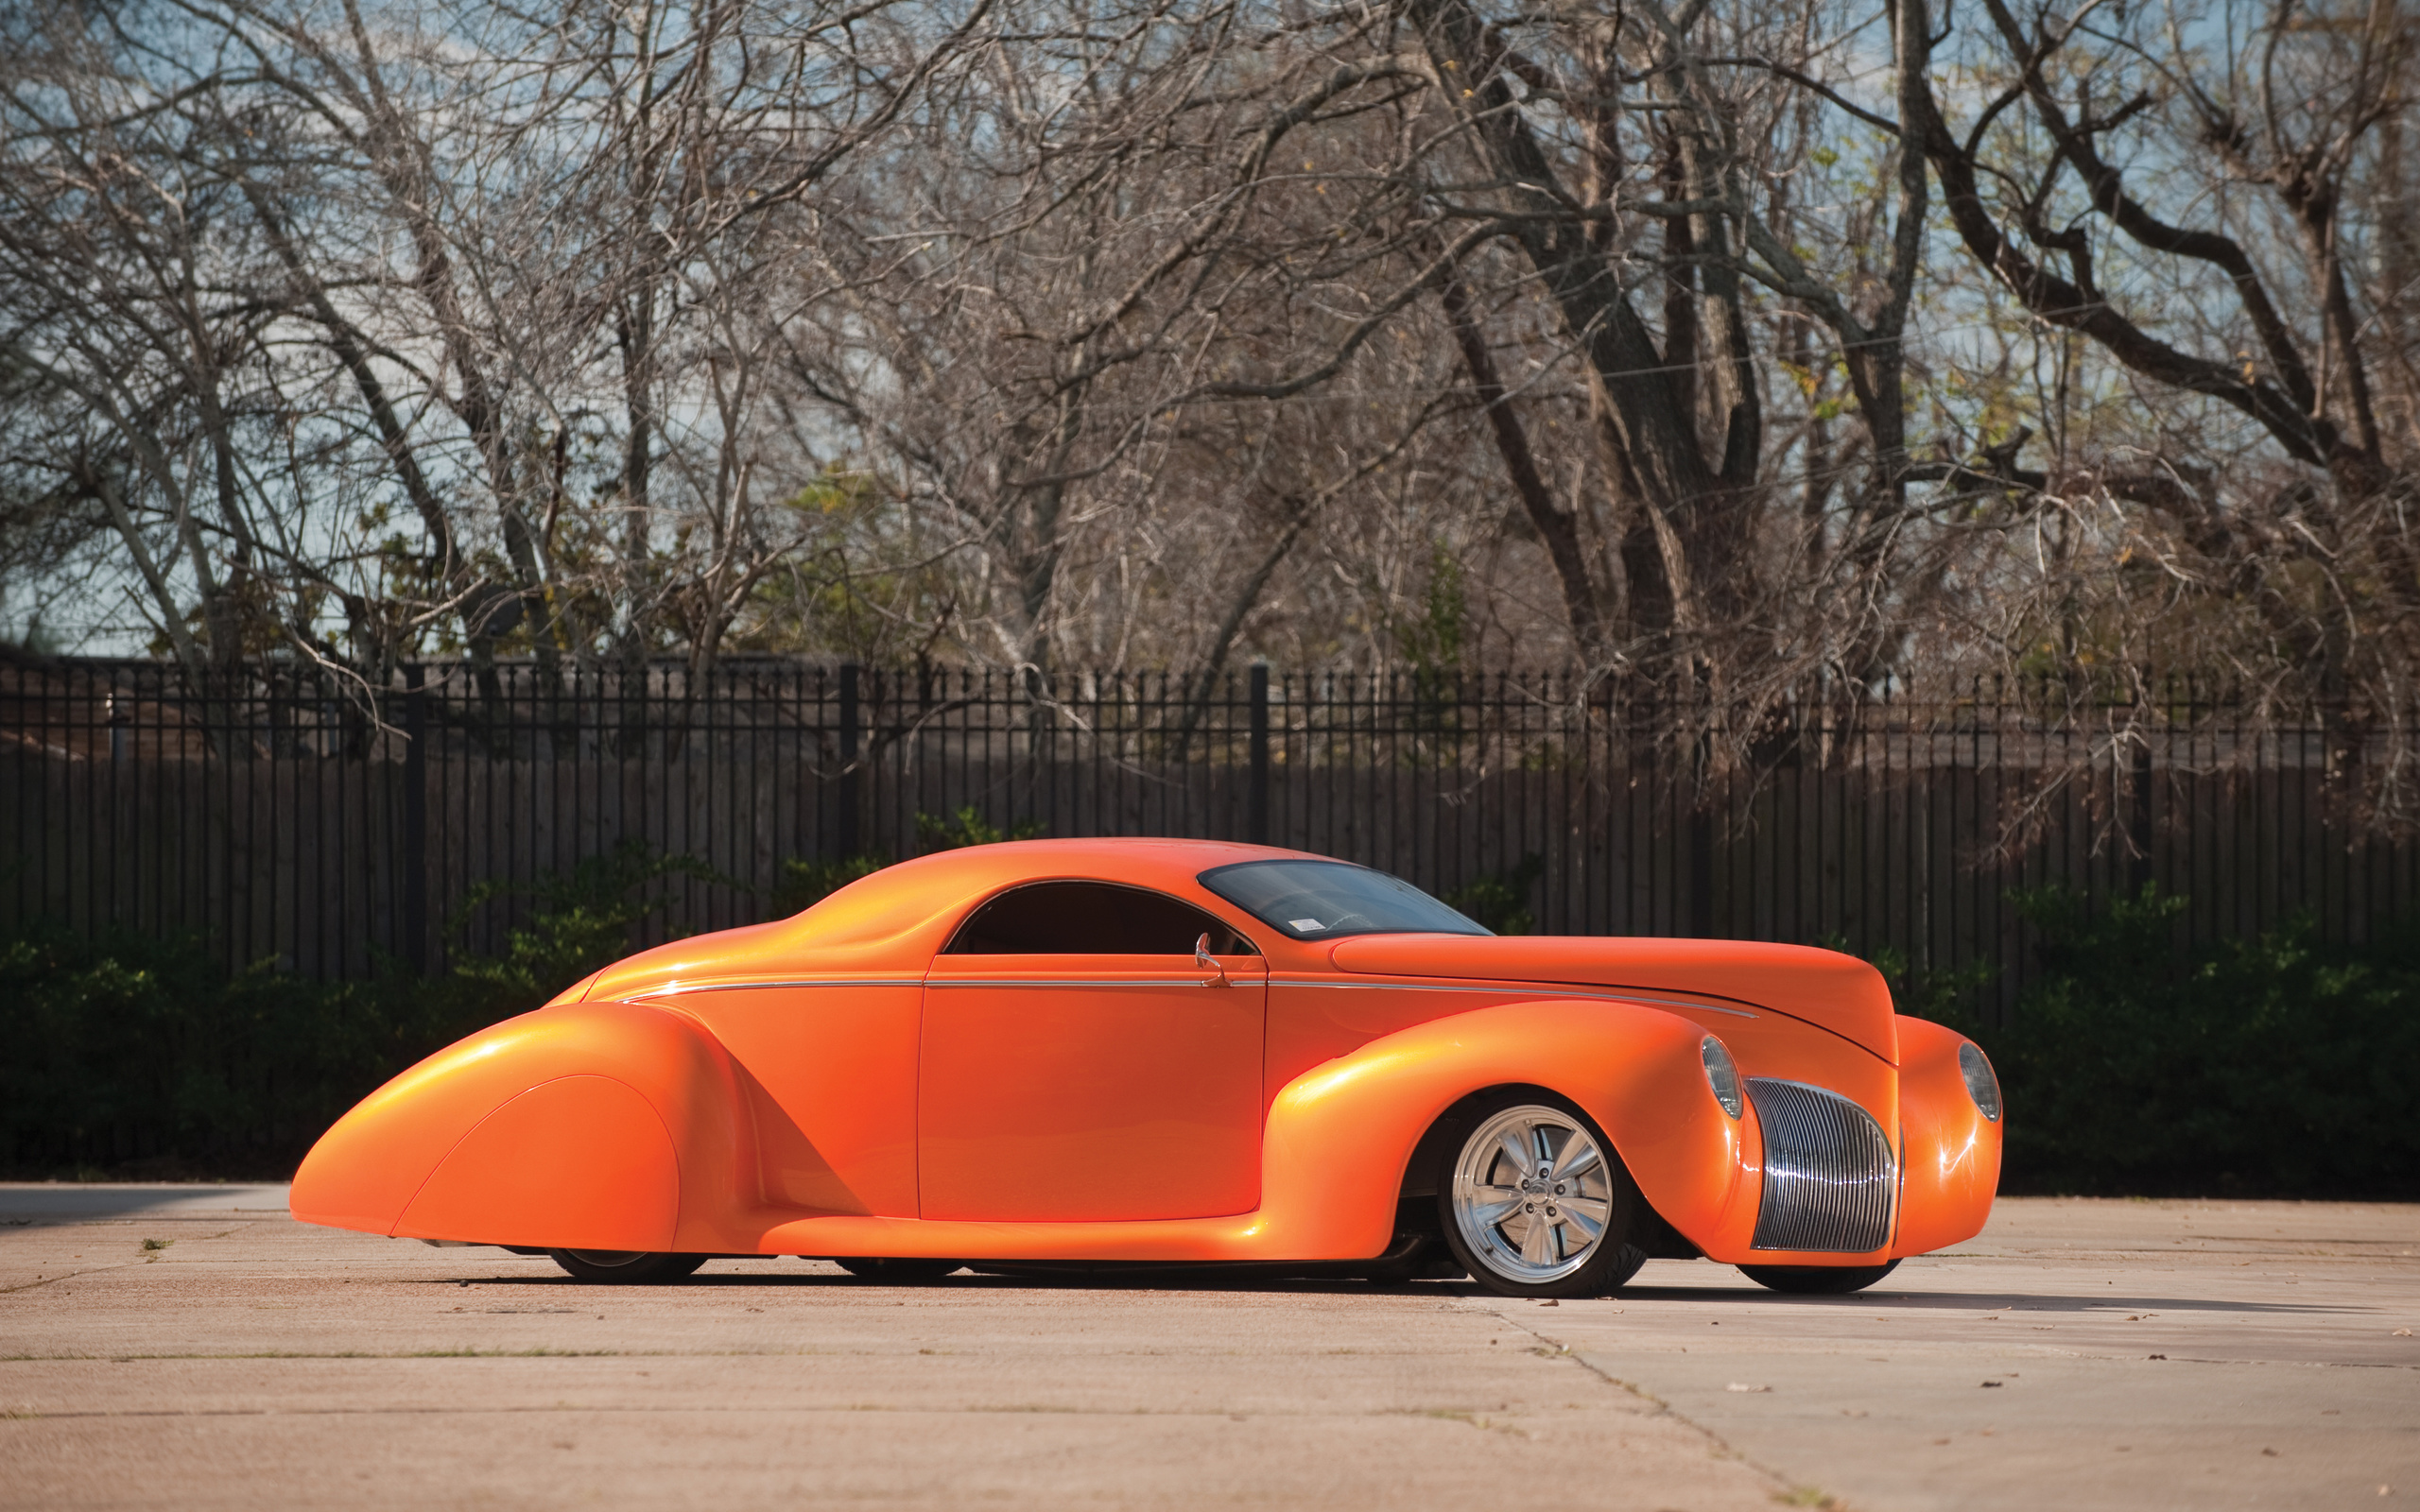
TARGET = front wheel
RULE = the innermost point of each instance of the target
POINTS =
(1536, 1203)
(1817, 1280)
(626, 1267)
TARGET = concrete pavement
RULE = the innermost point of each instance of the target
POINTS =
(193, 1346)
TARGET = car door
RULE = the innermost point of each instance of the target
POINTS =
(1080, 1064)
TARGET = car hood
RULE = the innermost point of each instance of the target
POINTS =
(1823, 988)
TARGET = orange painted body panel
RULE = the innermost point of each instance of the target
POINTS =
(580, 1161)
(1363, 1112)
(834, 1084)
(1823, 988)
(368, 1169)
(830, 1072)
(1951, 1170)
(1311, 1020)
(1083, 1089)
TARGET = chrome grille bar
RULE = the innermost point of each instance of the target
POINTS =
(1830, 1181)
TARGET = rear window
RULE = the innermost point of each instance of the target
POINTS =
(1331, 899)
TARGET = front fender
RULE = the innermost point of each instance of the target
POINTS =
(1952, 1168)
(1340, 1136)
(603, 1125)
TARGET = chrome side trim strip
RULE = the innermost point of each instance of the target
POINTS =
(1547, 990)
(1550, 991)
(1096, 981)
(684, 988)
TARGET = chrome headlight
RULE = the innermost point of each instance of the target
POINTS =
(1980, 1084)
(1721, 1075)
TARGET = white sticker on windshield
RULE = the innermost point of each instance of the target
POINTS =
(1305, 924)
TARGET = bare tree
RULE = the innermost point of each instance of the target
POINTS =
(517, 276)
(1165, 333)
(1598, 216)
(2205, 200)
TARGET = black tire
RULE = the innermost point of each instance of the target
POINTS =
(1817, 1280)
(623, 1267)
(1500, 1261)
(895, 1272)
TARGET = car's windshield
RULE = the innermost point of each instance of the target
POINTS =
(1329, 900)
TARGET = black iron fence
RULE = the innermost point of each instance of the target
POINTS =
(296, 814)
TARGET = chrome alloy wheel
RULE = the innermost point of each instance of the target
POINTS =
(1531, 1194)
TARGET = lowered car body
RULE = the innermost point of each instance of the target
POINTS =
(1188, 1051)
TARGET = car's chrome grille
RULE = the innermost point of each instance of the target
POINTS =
(1830, 1178)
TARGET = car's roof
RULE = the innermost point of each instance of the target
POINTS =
(894, 900)
(897, 918)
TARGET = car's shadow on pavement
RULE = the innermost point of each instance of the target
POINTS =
(50, 1205)
(1889, 1298)
(1187, 1281)
(1192, 1280)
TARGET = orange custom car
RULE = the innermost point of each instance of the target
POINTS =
(1070, 1052)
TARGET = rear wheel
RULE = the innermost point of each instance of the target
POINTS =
(626, 1267)
(897, 1272)
(1817, 1280)
(1536, 1202)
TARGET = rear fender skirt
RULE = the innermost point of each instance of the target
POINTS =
(579, 1162)
(558, 1100)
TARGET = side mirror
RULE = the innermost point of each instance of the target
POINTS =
(1202, 958)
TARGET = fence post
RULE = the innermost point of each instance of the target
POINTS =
(849, 786)
(1256, 819)
(2140, 831)
(415, 899)
(1698, 831)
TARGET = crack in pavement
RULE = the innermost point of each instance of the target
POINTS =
(100, 1270)
(53, 1281)
(1722, 1447)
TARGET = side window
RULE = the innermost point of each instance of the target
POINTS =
(1091, 919)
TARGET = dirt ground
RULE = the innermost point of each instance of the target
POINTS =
(194, 1347)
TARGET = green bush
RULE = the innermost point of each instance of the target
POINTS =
(968, 827)
(1499, 900)
(2278, 1065)
(134, 1056)
(137, 1056)
(151, 1056)
(804, 882)
(1947, 995)
(580, 921)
